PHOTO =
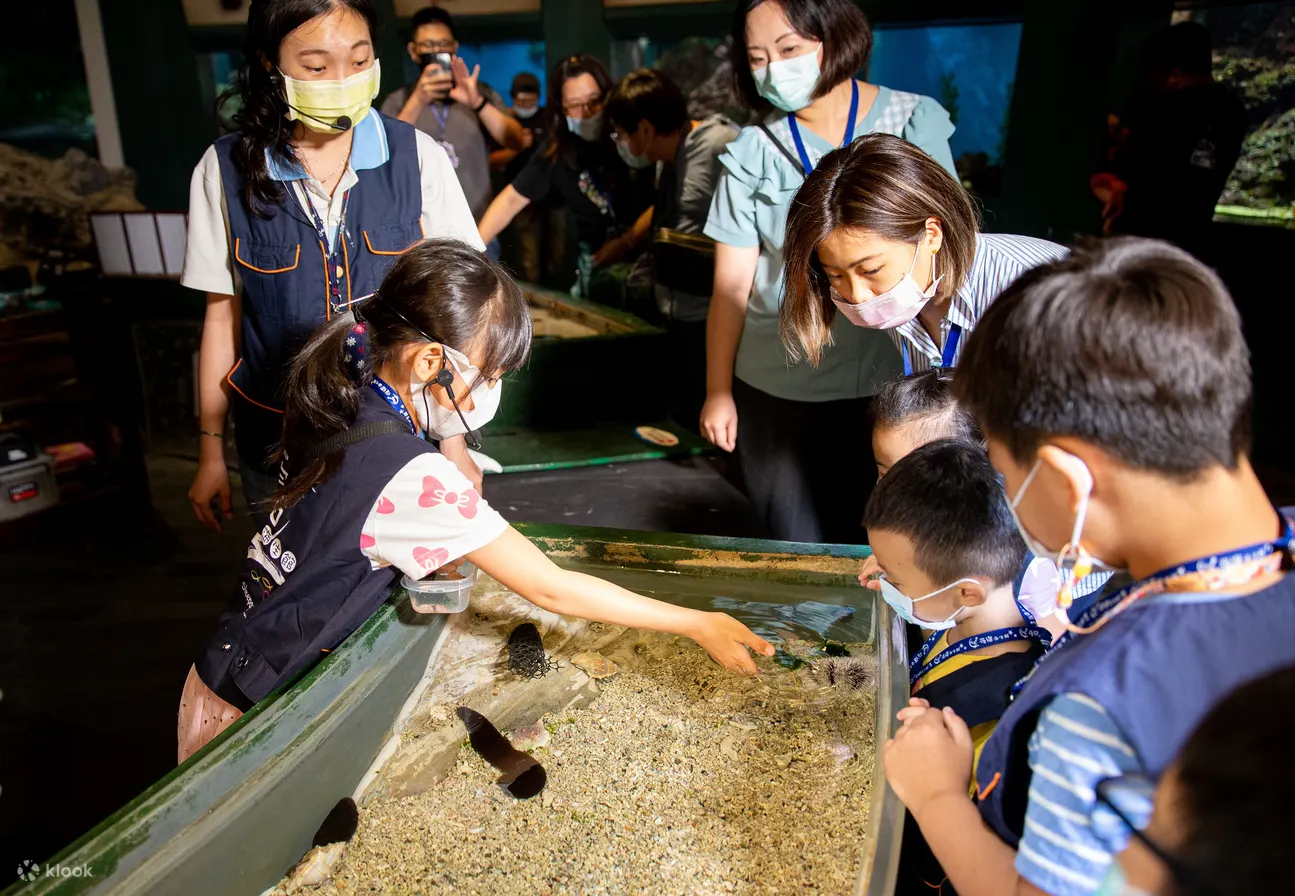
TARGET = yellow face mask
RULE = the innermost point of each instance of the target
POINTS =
(329, 106)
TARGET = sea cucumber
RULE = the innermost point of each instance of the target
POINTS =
(522, 775)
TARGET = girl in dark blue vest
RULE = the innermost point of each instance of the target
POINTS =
(301, 210)
(432, 345)
(1114, 389)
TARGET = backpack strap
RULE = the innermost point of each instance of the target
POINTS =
(353, 436)
(784, 150)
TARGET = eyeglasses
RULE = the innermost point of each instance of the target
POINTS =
(588, 107)
(437, 46)
(1134, 790)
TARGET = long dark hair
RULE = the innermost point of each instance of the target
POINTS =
(444, 288)
(563, 144)
(260, 114)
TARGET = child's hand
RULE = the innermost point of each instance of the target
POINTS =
(929, 757)
(916, 706)
(727, 640)
(868, 573)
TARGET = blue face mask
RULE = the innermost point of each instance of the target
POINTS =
(1116, 884)
(902, 604)
(789, 83)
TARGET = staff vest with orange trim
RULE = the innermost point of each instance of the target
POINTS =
(283, 268)
(1157, 668)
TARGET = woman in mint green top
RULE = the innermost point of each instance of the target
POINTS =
(800, 433)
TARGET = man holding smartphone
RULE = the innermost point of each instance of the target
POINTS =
(449, 104)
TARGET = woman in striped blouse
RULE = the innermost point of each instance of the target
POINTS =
(882, 233)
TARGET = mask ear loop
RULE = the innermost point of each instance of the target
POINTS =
(445, 379)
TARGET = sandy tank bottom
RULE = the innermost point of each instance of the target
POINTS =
(671, 776)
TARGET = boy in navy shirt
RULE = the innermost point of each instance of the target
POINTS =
(1113, 387)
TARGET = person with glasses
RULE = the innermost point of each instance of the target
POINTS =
(366, 493)
(300, 210)
(453, 106)
(578, 163)
(1113, 388)
(1218, 814)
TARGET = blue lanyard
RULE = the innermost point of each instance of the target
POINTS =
(391, 397)
(442, 117)
(805, 166)
(1249, 554)
(946, 357)
(917, 668)
(332, 270)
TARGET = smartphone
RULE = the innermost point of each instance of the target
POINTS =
(443, 61)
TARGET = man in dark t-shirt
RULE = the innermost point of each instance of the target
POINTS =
(1183, 143)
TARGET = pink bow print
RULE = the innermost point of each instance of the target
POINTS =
(434, 493)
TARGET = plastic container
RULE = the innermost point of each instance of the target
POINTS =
(439, 593)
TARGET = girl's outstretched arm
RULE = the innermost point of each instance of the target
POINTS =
(517, 564)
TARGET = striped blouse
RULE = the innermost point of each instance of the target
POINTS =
(1000, 259)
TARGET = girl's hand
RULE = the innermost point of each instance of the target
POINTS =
(719, 420)
(868, 573)
(727, 640)
(212, 481)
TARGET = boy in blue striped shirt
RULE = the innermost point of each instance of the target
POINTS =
(1114, 390)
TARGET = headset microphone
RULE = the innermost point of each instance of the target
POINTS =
(445, 379)
(343, 122)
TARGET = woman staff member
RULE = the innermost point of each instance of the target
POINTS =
(301, 210)
(881, 233)
(791, 426)
(580, 164)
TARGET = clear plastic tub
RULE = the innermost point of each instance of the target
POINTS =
(442, 592)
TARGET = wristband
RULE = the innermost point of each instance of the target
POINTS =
(479, 106)
(214, 435)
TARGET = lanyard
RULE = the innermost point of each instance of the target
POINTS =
(946, 357)
(805, 166)
(442, 117)
(391, 397)
(917, 668)
(1214, 572)
(332, 269)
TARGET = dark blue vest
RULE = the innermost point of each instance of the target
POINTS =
(1156, 669)
(306, 585)
(283, 266)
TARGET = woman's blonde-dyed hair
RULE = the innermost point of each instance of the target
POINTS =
(883, 185)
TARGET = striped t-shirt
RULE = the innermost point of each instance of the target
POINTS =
(1070, 838)
(1000, 259)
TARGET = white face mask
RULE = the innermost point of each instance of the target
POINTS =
(332, 106)
(902, 604)
(442, 423)
(586, 128)
(525, 112)
(1073, 561)
(789, 83)
(895, 307)
(629, 158)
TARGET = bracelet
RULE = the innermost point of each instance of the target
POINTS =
(214, 435)
(479, 106)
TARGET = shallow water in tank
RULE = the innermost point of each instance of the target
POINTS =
(670, 775)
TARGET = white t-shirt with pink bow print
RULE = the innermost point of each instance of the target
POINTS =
(426, 516)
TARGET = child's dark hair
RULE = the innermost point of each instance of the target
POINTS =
(1234, 790)
(945, 498)
(446, 289)
(925, 400)
(647, 94)
(1129, 344)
